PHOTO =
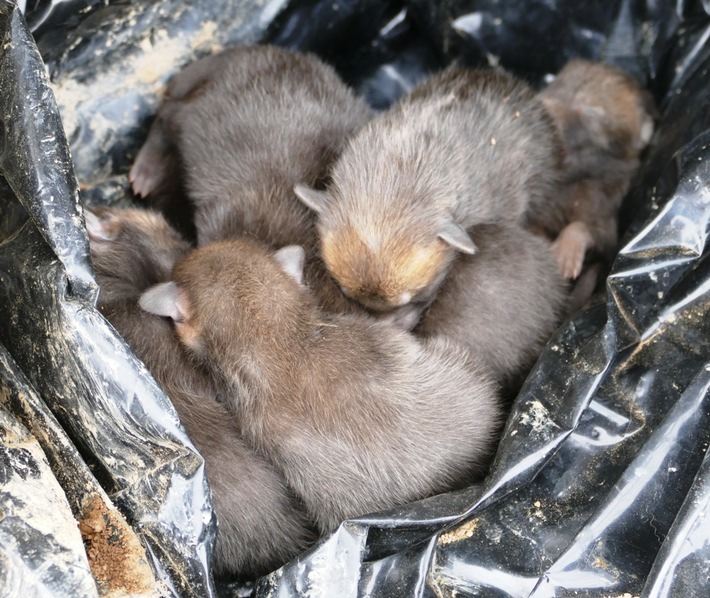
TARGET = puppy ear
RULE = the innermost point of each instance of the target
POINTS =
(458, 238)
(100, 228)
(165, 299)
(291, 259)
(314, 199)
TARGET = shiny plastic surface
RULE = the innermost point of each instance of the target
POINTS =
(601, 484)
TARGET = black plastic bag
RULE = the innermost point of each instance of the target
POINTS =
(601, 482)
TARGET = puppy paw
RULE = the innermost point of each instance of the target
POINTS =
(151, 164)
(145, 175)
(570, 247)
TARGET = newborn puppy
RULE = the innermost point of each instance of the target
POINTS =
(504, 302)
(605, 121)
(358, 415)
(260, 524)
(464, 148)
(248, 124)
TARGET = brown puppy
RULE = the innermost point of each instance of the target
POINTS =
(358, 415)
(605, 121)
(248, 124)
(260, 525)
(504, 302)
(464, 148)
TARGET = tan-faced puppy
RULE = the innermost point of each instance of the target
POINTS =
(358, 415)
(605, 120)
(247, 125)
(466, 147)
(504, 302)
(261, 526)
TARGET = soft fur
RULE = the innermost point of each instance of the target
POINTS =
(261, 526)
(605, 120)
(504, 302)
(247, 125)
(358, 415)
(464, 148)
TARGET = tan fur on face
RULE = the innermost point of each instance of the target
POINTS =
(384, 274)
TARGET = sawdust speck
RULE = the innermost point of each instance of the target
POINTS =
(460, 533)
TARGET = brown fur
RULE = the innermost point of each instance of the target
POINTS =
(416, 264)
(358, 416)
(260, 525)
(248, 124)
(605, 121)
(465, 147)
(504, 302)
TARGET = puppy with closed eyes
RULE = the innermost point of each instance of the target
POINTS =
(466, 147)
(357, 415)
(605, 120)
(260, 523)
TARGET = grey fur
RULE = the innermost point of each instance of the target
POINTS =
(261, 526)
(465, 147)
(248, 124)
(504, 302)
(358, 415)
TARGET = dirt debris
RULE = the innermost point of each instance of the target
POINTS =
(116, 557)
(460, 533)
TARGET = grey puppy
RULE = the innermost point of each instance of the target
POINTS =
(247, 125)
(605, 120)
(359, 416)
(261, 526)
(464, 148)
(504, 302)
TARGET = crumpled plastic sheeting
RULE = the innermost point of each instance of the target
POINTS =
(85, 497)
(684, 558)
(93, 384)
(600, 486)
(41, 552)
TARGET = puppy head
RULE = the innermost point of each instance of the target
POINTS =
(600, 104)
(135, 245)
(384, 264)
(228, 294)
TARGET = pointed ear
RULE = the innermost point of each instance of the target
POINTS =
(165, 299)
(291, 259)
(458, 238)
(100, 228)
(314, 199)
